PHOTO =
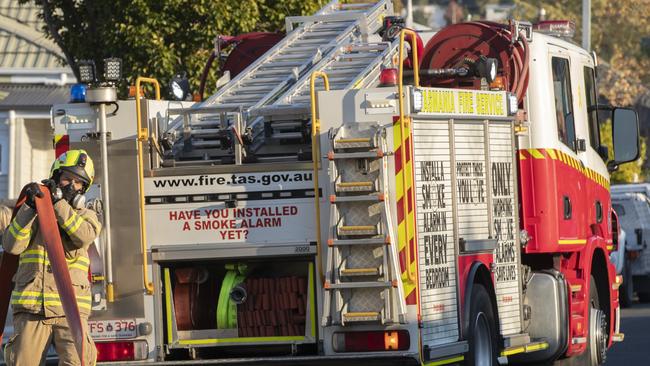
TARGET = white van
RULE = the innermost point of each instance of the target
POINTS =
(632, 205)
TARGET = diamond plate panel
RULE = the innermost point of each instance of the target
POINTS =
(364, 299)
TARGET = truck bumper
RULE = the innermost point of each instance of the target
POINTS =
(343, 360)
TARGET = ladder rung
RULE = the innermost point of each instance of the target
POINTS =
(349, 272)
(353, 285)
(356, 142)
(278, 64)
(378, 197)
(357, 230)
(356, 155)
(367, 316)
(261, 78)
(355, 187)
(321, 33)
(253, 88)
(363, 241)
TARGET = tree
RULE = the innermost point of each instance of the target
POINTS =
(626, 173)
(158, 38)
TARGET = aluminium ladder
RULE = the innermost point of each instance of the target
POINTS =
(349, 66)
(362, 270)
(316, 37)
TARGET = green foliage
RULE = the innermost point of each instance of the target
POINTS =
(158, 38)
(629, 172)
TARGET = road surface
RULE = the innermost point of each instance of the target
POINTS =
(635, 349)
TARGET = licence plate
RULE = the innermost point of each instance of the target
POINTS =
(112, 329)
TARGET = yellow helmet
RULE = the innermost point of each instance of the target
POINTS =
(76, 162)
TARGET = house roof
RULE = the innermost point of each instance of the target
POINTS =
(22, 43)
(32, 97)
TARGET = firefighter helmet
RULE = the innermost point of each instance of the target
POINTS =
(76, 162)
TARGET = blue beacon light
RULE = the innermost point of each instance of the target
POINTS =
(78, 93)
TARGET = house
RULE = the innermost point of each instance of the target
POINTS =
(32, 78)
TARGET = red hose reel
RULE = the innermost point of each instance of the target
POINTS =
(464, 43)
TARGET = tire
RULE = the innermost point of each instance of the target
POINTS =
(597, 339)
(627, 289)
(482, 330)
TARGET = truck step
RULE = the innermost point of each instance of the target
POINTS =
(355, 187)
(357, 230)
(377, 197)
(359, 284)
(526, 348)
(380, 240)
(360, 272)
(353, 143)
(356, 155)
(366, 316)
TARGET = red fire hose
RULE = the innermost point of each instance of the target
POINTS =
(50, 231)
(466, 42)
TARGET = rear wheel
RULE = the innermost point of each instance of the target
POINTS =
(482, 333)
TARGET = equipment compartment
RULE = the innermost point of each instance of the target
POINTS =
(222, 302)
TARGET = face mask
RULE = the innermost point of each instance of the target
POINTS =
(74, 197)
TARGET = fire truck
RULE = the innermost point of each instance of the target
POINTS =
(345, 200)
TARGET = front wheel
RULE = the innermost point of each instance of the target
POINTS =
(482, 333)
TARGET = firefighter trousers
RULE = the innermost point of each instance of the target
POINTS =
(33, 335)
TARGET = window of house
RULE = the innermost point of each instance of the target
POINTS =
(592, 112)
(563, 102)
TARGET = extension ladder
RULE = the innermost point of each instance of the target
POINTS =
(362, 270)
(274, 73)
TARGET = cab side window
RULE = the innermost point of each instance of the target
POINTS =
(563, 102)
(592, 112)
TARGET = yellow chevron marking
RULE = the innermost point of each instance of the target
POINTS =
(536, 154)
(551, 153)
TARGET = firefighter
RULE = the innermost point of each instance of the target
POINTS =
(38, 314)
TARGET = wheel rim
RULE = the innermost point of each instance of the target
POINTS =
(482, 341)
(598, 335)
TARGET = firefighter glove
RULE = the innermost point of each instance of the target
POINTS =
(31, 192)
(55, 191)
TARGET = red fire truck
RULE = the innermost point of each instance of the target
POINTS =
(455, 211)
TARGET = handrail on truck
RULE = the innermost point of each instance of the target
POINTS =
(315, 156)
(402, 122)
(143, 135)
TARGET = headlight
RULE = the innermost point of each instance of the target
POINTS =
(179, 87)
(417, 100)
(112, 69)
(513, 104)
(87, 71)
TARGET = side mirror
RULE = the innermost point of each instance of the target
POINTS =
(625, 135)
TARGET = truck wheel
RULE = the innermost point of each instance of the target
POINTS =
(482, 334)
(627, 290)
